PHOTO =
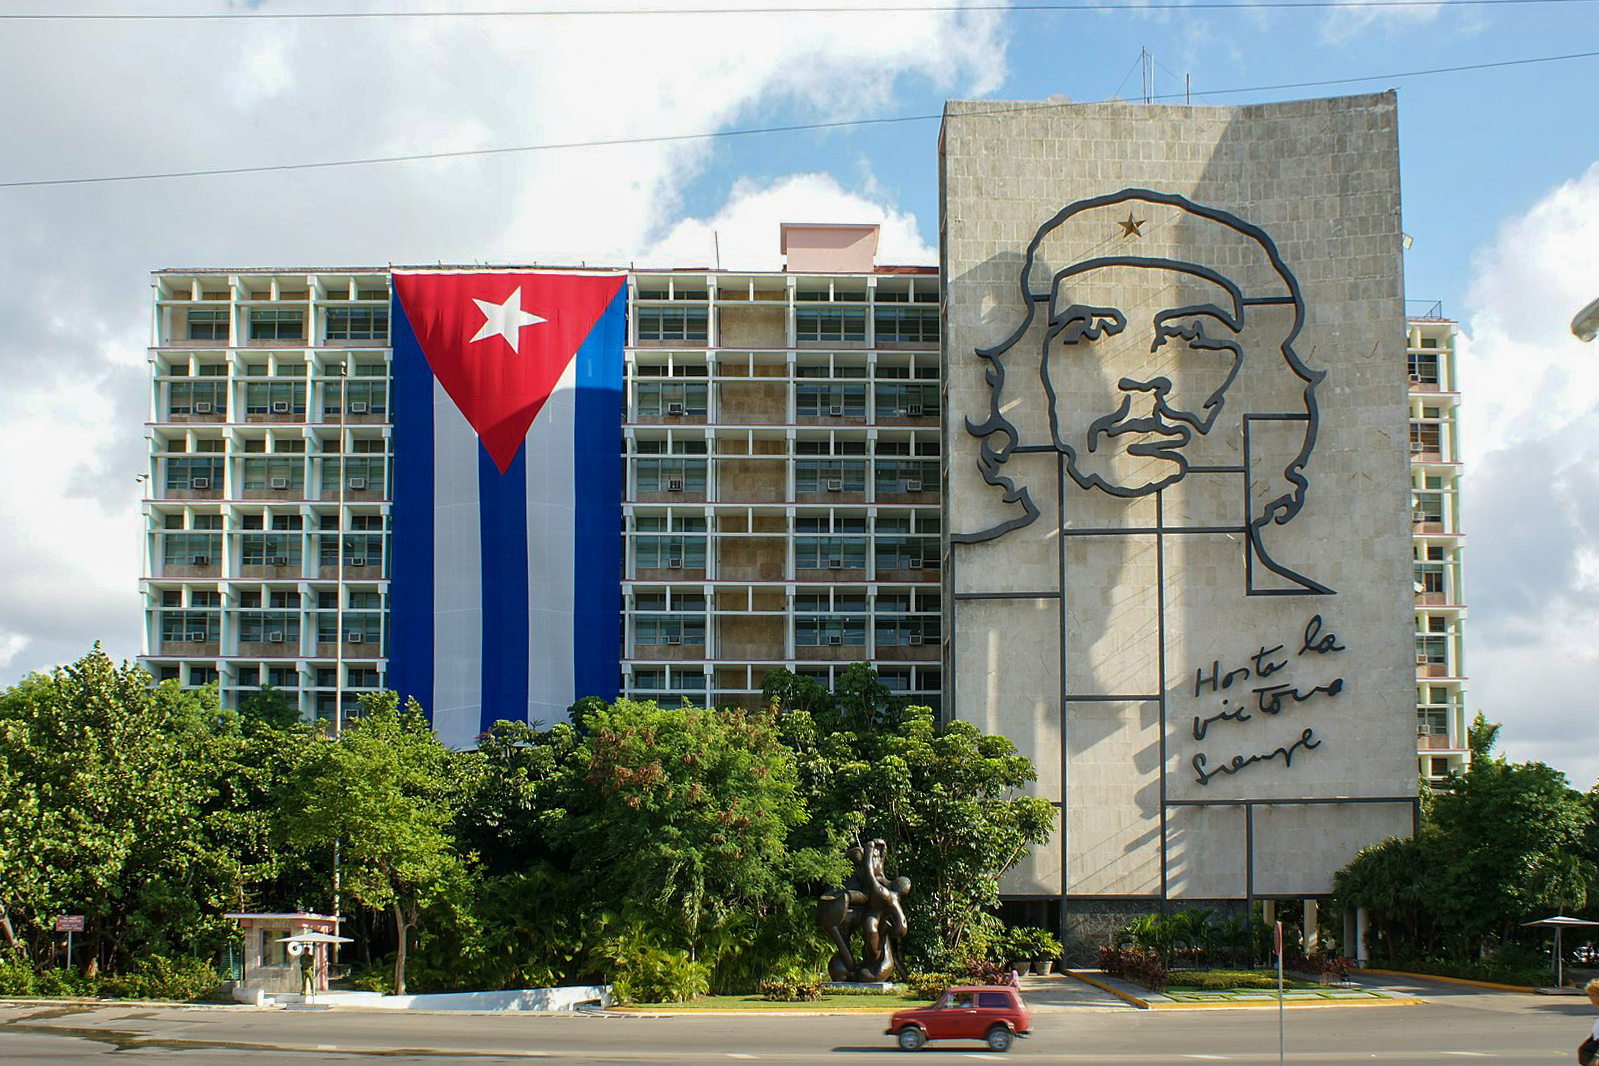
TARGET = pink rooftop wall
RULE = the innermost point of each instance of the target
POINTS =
(830, 249)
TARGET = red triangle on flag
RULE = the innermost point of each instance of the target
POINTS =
(499, 343)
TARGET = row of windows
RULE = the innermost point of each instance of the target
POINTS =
(808, 632)
(205, 549)
(288, 324)
(361, 474)
(192, 398)
(810, 475)
(279, 367)
(896, 324)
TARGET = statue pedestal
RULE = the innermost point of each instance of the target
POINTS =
(859, 986)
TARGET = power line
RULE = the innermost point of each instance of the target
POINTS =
(864, 9)
(798, 127)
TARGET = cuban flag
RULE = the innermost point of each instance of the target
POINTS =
(505, 568)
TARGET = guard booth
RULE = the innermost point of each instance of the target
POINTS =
(271, 965)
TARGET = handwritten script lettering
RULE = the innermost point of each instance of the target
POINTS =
(1307, 741)
(1268, 699)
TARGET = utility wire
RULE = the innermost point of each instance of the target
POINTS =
(864, 9)
(797, 127)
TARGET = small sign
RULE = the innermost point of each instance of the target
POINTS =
(1277, 940)
(69, 923)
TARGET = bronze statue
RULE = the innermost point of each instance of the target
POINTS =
(868, 902)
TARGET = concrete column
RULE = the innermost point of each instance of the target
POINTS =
(1312, 942)
(1361, 922)
(1268, 910)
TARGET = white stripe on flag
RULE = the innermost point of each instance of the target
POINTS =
(551, 552)
(457, 576)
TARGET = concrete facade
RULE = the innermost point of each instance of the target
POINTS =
(1175, 484)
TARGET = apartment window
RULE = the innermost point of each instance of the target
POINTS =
(358, 323)
(276, 324)
(909, 400)
(182, 549)
(190, 627)
(673, 324)
(829, 475)
(823, 631)
(286, 678)
(670, 629)
(208, 324)
(905, 632)
(274, 398)
(359, 550)
(197, 398)
(906, 553)
(660, 398)
(194, 474)
(662, 545)
(270, 627)
(905, 475)
(916, 325)
(670, 474)
(364, 677)
(830, 553)
(833, 324)
(361, 473)
(819, 400)
(282, 475)
(266, 549)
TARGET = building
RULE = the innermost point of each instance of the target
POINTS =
(781, 494)
(1435, 461)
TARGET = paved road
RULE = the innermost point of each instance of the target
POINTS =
(1070, 1027)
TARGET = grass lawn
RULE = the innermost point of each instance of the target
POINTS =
(871, 1001)
(1231, 981)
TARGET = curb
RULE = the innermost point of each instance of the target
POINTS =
(1451, 980)
(1118, 993)
(691, 1012)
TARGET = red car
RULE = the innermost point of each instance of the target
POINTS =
(994, 1014)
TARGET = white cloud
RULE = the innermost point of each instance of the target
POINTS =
(1532, 481)
(1348, 20)
(144, 97)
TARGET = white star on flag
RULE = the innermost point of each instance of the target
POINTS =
(505, 320)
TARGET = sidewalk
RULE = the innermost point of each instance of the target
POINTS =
(1345, 995)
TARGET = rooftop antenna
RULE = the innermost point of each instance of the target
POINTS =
(1148, 63)
(716, 239)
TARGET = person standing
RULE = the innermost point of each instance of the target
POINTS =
(1588, 1050)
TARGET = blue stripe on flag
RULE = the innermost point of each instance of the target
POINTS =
(503, 500)
(410, 647)
(597, 566)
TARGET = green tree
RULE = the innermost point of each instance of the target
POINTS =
(105, 782)
(1482, 736)
(388, 792)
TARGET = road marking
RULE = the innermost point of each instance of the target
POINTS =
(327, 1047)
(1470, 1054)
(1218, 1058)
(740, 1055)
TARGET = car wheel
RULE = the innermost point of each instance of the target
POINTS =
(911, 1038)
(999, 1038)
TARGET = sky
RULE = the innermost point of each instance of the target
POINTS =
(1500, 177)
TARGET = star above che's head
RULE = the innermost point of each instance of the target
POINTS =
(1131, 227)
(505, 320)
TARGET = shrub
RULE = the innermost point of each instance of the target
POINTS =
(16, 976)
(379, 979)
(1221, 980)
(983, 972)
(1327, 967)
(792, 987)
(67, 983)
(158, 977)
(928, 985)
(1134, 966)
(1496, 970)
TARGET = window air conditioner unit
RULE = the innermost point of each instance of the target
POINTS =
(280, 407)
(835, 484)
(913, 411)
(1423, 659)
(358, 560)
(1418, 516)
(835, 564)
(834, 638)
(836, 410)
(674, 640)
(196, 636)
(1415, 379)
(357, 638)
(279, 482)
(674, 484)
(358, 408)
(201, 407)
(913, 484)
(913, 564)
(1423, 729)
(674, 563)
(280, 560)
(674, 408)
(357, 484)
(202, 560)
(1418, 446)
(915, 638)
(275, 637)
(199, 483)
